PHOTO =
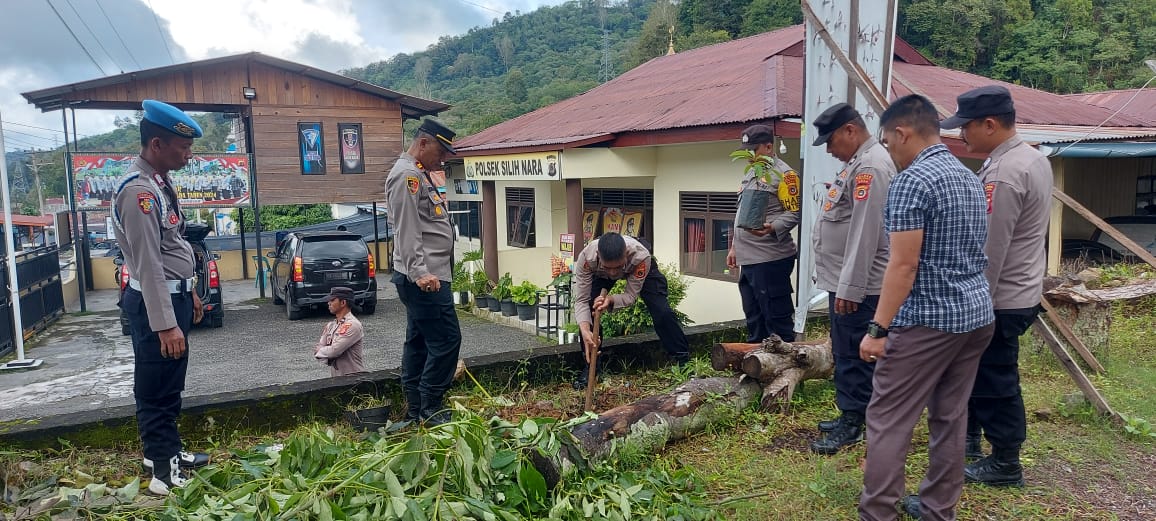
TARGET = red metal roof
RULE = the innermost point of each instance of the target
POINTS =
(29, 220)
(1140, 104)
(753, 79)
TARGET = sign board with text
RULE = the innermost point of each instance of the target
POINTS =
(538, 166)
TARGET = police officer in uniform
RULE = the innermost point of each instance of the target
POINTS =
(766, 257)
(340, 344)
(1017, 181)
(606, 260)
(851, 255)
(160, 301)
(422, 257)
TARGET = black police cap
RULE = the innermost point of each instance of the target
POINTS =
(443, 135)
(833, 119)
(990, 100)
(756, 135)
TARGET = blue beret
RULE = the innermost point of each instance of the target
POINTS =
(171, 119)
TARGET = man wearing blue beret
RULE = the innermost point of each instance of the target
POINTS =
(159, 301)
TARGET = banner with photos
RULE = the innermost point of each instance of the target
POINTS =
(210, 180)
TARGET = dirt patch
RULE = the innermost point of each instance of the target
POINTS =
(1124, 487)
(561, 401)
(798, 439)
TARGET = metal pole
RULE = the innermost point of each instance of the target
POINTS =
(253, 196)
(244, 254)
(75, 227)
(13, 284)
(376, 238)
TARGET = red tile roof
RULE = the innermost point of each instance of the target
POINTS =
(753, 79)
(1141, 105)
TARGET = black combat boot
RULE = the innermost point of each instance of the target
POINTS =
(1001, 469)
(832, 424)
(847, 433)
(412, 406)
(910, 505)
(973, 448)
(433, 413)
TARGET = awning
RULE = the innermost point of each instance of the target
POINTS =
(1099, 150)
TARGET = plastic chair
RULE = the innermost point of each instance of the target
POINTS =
(259, 262)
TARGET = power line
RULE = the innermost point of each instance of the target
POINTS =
(92, 34)
(6, 122)
(29, 135)
(78, 42)
(117, 33)
(162, 33)
(481, 6)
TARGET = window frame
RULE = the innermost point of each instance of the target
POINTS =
(517, 200)
(714, 212)
(1149, 196)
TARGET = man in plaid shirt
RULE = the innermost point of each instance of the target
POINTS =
(934, 318)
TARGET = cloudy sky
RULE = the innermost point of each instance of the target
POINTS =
(39, 47)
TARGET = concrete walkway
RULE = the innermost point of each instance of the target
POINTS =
(88, 364)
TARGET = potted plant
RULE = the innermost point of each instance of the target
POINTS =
(460, 285)
(472, 260)
(501, 293)
(480, 285)
(568, 334)
(525, 297)
(368, 413)
(752, 211)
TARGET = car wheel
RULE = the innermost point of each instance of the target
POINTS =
(369, 308)
(216, 321)
(291, 311)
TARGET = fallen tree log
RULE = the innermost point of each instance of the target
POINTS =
(729, 356)
(781, 366)
(652, 422)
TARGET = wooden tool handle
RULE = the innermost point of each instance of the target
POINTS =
(591, 353)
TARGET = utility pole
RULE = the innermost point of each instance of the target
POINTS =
(34, 164)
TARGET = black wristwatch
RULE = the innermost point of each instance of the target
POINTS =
(874, 330)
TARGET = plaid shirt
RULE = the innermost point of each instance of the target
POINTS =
(940, 196)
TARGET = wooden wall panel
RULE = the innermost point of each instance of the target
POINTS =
(1106, 186)
(277, 160)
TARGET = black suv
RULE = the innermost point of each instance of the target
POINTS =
(208, 278)
(307, 264)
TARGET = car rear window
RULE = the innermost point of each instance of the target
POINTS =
(334, 248)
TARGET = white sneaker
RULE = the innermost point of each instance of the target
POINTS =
(161, 485)
(188, 460)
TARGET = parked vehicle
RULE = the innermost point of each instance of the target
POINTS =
(208, 277)
(307, 265)
(1103, 249)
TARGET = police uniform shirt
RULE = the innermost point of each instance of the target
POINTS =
(423, 233)
(151, 224)
(340, 344)
(587, 266)
(851, 248)
(1017, 181)
(783, 214)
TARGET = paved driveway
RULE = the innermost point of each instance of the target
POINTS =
(88, 364)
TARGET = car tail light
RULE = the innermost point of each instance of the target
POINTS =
(123, 276)
(372, 266)
(214, 277)
(298, 274)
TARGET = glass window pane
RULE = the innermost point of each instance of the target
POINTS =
(1144, 185)
(720, 243)
(694, 258)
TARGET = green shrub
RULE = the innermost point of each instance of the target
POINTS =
(525, 293)
(481, 283)
(636, 318)
(502, 290)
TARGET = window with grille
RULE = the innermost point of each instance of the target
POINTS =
(707, 227)
(520, 217)
(627, 211)
(467, 215)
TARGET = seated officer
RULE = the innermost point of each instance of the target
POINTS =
(614, 257)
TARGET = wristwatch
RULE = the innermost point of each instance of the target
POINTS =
(874, 330)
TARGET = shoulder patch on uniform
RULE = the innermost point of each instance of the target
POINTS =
(146, 202)
(789, 191)
(344, 328)
(640, 271)
(988, 192)
(413, 184)
(863, 186)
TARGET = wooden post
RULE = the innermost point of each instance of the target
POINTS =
(1071, 337)
(1074, 370)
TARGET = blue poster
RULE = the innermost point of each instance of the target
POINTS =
(310, 138)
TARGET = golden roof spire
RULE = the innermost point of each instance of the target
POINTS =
(670, 49)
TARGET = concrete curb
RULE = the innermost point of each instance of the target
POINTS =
(267, 409)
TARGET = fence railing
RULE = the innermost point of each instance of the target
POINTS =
(41, 294)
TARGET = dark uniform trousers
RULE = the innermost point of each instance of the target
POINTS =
(157, 381)
(997, 403)
(654, 294)
(433, 340)
(852, 375)
(766, 292)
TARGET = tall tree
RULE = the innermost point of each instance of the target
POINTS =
(767, 15)
(656, 33)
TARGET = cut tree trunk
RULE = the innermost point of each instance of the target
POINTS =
(729, 356)
(780, 367)
(652, 422)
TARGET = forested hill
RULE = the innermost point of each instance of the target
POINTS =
(522, 62)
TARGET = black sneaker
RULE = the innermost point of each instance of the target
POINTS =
(973, 449)
(168, 477)
(830, 425)
(995, 472)
(910, 505)
(187, 460)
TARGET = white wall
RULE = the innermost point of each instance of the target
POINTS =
(532, 264)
